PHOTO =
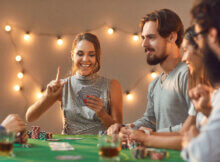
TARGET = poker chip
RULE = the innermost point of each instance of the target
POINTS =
(49, 135)
(139, 152)
(43, 135)
(35, 132)
(20, 137)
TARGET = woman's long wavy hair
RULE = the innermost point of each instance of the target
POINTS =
(94, 40)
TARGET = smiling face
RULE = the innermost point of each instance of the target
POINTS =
(155, 46)
(84, 58)
(190, 56)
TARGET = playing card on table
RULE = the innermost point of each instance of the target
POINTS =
(69, 157)
(60, 146)
(73, 138)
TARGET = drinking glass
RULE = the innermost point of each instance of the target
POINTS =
(6, 143)
(109, 148)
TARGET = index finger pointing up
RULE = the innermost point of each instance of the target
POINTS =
(58, 74)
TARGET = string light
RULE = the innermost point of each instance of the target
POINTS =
(18, 58)
(129, 96)
(17, 88)
(135, 37)
(110, 31)
(27, 36)
(39, 95)
(20, 75)
(153, 74)
(7, 28)
(59, 41)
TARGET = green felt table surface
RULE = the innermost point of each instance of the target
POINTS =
(87, 148)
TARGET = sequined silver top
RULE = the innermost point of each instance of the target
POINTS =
(78, 118)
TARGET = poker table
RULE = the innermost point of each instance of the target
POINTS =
(86, 148)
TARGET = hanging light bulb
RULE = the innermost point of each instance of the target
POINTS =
(27, 36)
(20, 75)
(39, 95)
(153, 74)
(59, 41)
(17, 88)
(110, 31)
(7, 28)
(135, 37)
(18, 58)
(129, 96)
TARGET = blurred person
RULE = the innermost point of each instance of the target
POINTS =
(203, 145)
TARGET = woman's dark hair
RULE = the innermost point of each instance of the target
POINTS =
(189, 35)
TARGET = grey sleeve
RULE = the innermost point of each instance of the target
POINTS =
(148, 120)
(208, 137)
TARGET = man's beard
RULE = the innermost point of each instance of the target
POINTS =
(154, 60)
(211, 63)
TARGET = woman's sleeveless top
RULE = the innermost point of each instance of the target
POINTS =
(78, 118)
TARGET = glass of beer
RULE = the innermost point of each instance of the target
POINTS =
(109, 148)
(6, 143)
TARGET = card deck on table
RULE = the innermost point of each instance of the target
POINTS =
(73, 138)
(60, 146)
(69, 157)
(53, 139)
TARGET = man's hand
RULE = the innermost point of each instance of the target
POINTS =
(138, 136)
(114, 129)
(201, 97)
(188, 136)
(14, 123)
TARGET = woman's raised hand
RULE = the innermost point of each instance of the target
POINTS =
(54, 88)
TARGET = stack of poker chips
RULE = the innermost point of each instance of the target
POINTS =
(43, 135)
(35, 132)
(20, 137)
(157, 154)
(49, 135)
(138, 151)
(29, 133)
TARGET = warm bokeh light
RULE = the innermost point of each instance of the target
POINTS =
(17, 88)
(7, 28)
(39, 95)
(18, 58)
(20, 75)
(110, 31)
(153, 74)
(129, 96)
(135, 37)
(27, 36)
(59, 41)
